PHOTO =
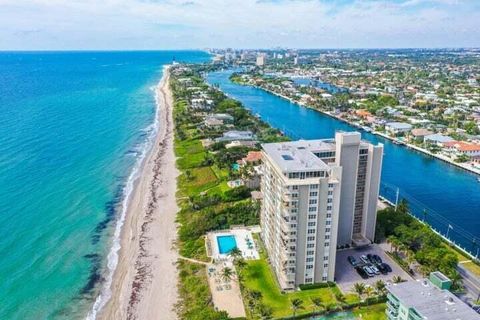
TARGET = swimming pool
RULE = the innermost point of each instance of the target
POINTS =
(226, 243)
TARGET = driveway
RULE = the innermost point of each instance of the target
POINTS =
(346, 275)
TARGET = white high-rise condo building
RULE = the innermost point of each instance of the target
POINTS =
(261, 60)
(318, 194)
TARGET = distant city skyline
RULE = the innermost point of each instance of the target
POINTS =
(190, 24)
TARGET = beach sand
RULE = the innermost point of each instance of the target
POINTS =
(145, 281)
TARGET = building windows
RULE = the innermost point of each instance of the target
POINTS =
(308, 280)
(324, 278)
(329, 215)
(309, 260)
(325, 265)
(292, 240)
(329, 200)
(293, 225)
(310, 238)
(327, 237)
(312, 216)
(309, 266)
(330, 185)
(313, 194)
(328, 222)
(310, 245)
(327, 230)
(294, 195)
(312, 224)
(325, 258)
(292, 248)
(329, 208)
(313, 186)
(327, 244)
(293, 218)
(313, 201)
(294, 187)
(312, 209)
(294, 210)
(311, 231)
(330, 193)
(310, 253)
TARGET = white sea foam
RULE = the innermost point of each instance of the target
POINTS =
(112, 258)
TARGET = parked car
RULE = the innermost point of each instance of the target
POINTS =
(369, 271)
(382, 268)
(370, 257)
(377, 259)
(352, 260)
(374, 269)
(387, 267)
(364, 259)
(361, 272)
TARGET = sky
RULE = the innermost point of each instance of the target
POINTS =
(198, 24)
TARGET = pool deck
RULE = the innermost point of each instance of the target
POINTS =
(241, 235)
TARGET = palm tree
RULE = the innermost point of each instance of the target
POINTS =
(235, 253)
(395, 243)
(341, 299)
(240, 263)
(368, 292)
(265, 312)
(255, 295)
(296, 304)
(359, 288)
(227, 274)
(317, 302)
(456, 279)
(380, 287)
(403, 206)
(397, 279)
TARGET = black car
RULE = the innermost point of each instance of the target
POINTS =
(352, 260)
(387, 267)
(377, 259)
(361, 272)
(382, 268)
(370, 257)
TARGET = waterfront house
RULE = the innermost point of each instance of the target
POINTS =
(235, 135)
(437, 139)
(398, 128)
(419, 134)
(463, 148)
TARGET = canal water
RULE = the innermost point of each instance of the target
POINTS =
(449, 195)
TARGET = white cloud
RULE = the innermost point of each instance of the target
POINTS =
(162, 24)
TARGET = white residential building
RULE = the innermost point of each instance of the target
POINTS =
(318, 194)
(260, 60)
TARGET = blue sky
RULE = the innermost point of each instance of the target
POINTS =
(182, 24)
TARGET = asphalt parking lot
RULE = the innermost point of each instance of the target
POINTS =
(346, 275)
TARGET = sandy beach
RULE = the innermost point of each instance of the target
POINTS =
(144, 284)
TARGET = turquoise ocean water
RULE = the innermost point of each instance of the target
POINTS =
(72, 126)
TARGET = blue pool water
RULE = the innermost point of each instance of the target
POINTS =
(226, 244)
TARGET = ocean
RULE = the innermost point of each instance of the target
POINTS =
(73, 126)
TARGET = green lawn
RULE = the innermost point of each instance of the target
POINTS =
(201, 179)
(259, 276)
(373, 312)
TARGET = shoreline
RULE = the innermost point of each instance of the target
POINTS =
(144, 283)
(380, 134)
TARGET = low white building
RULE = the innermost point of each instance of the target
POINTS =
(397, 128)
